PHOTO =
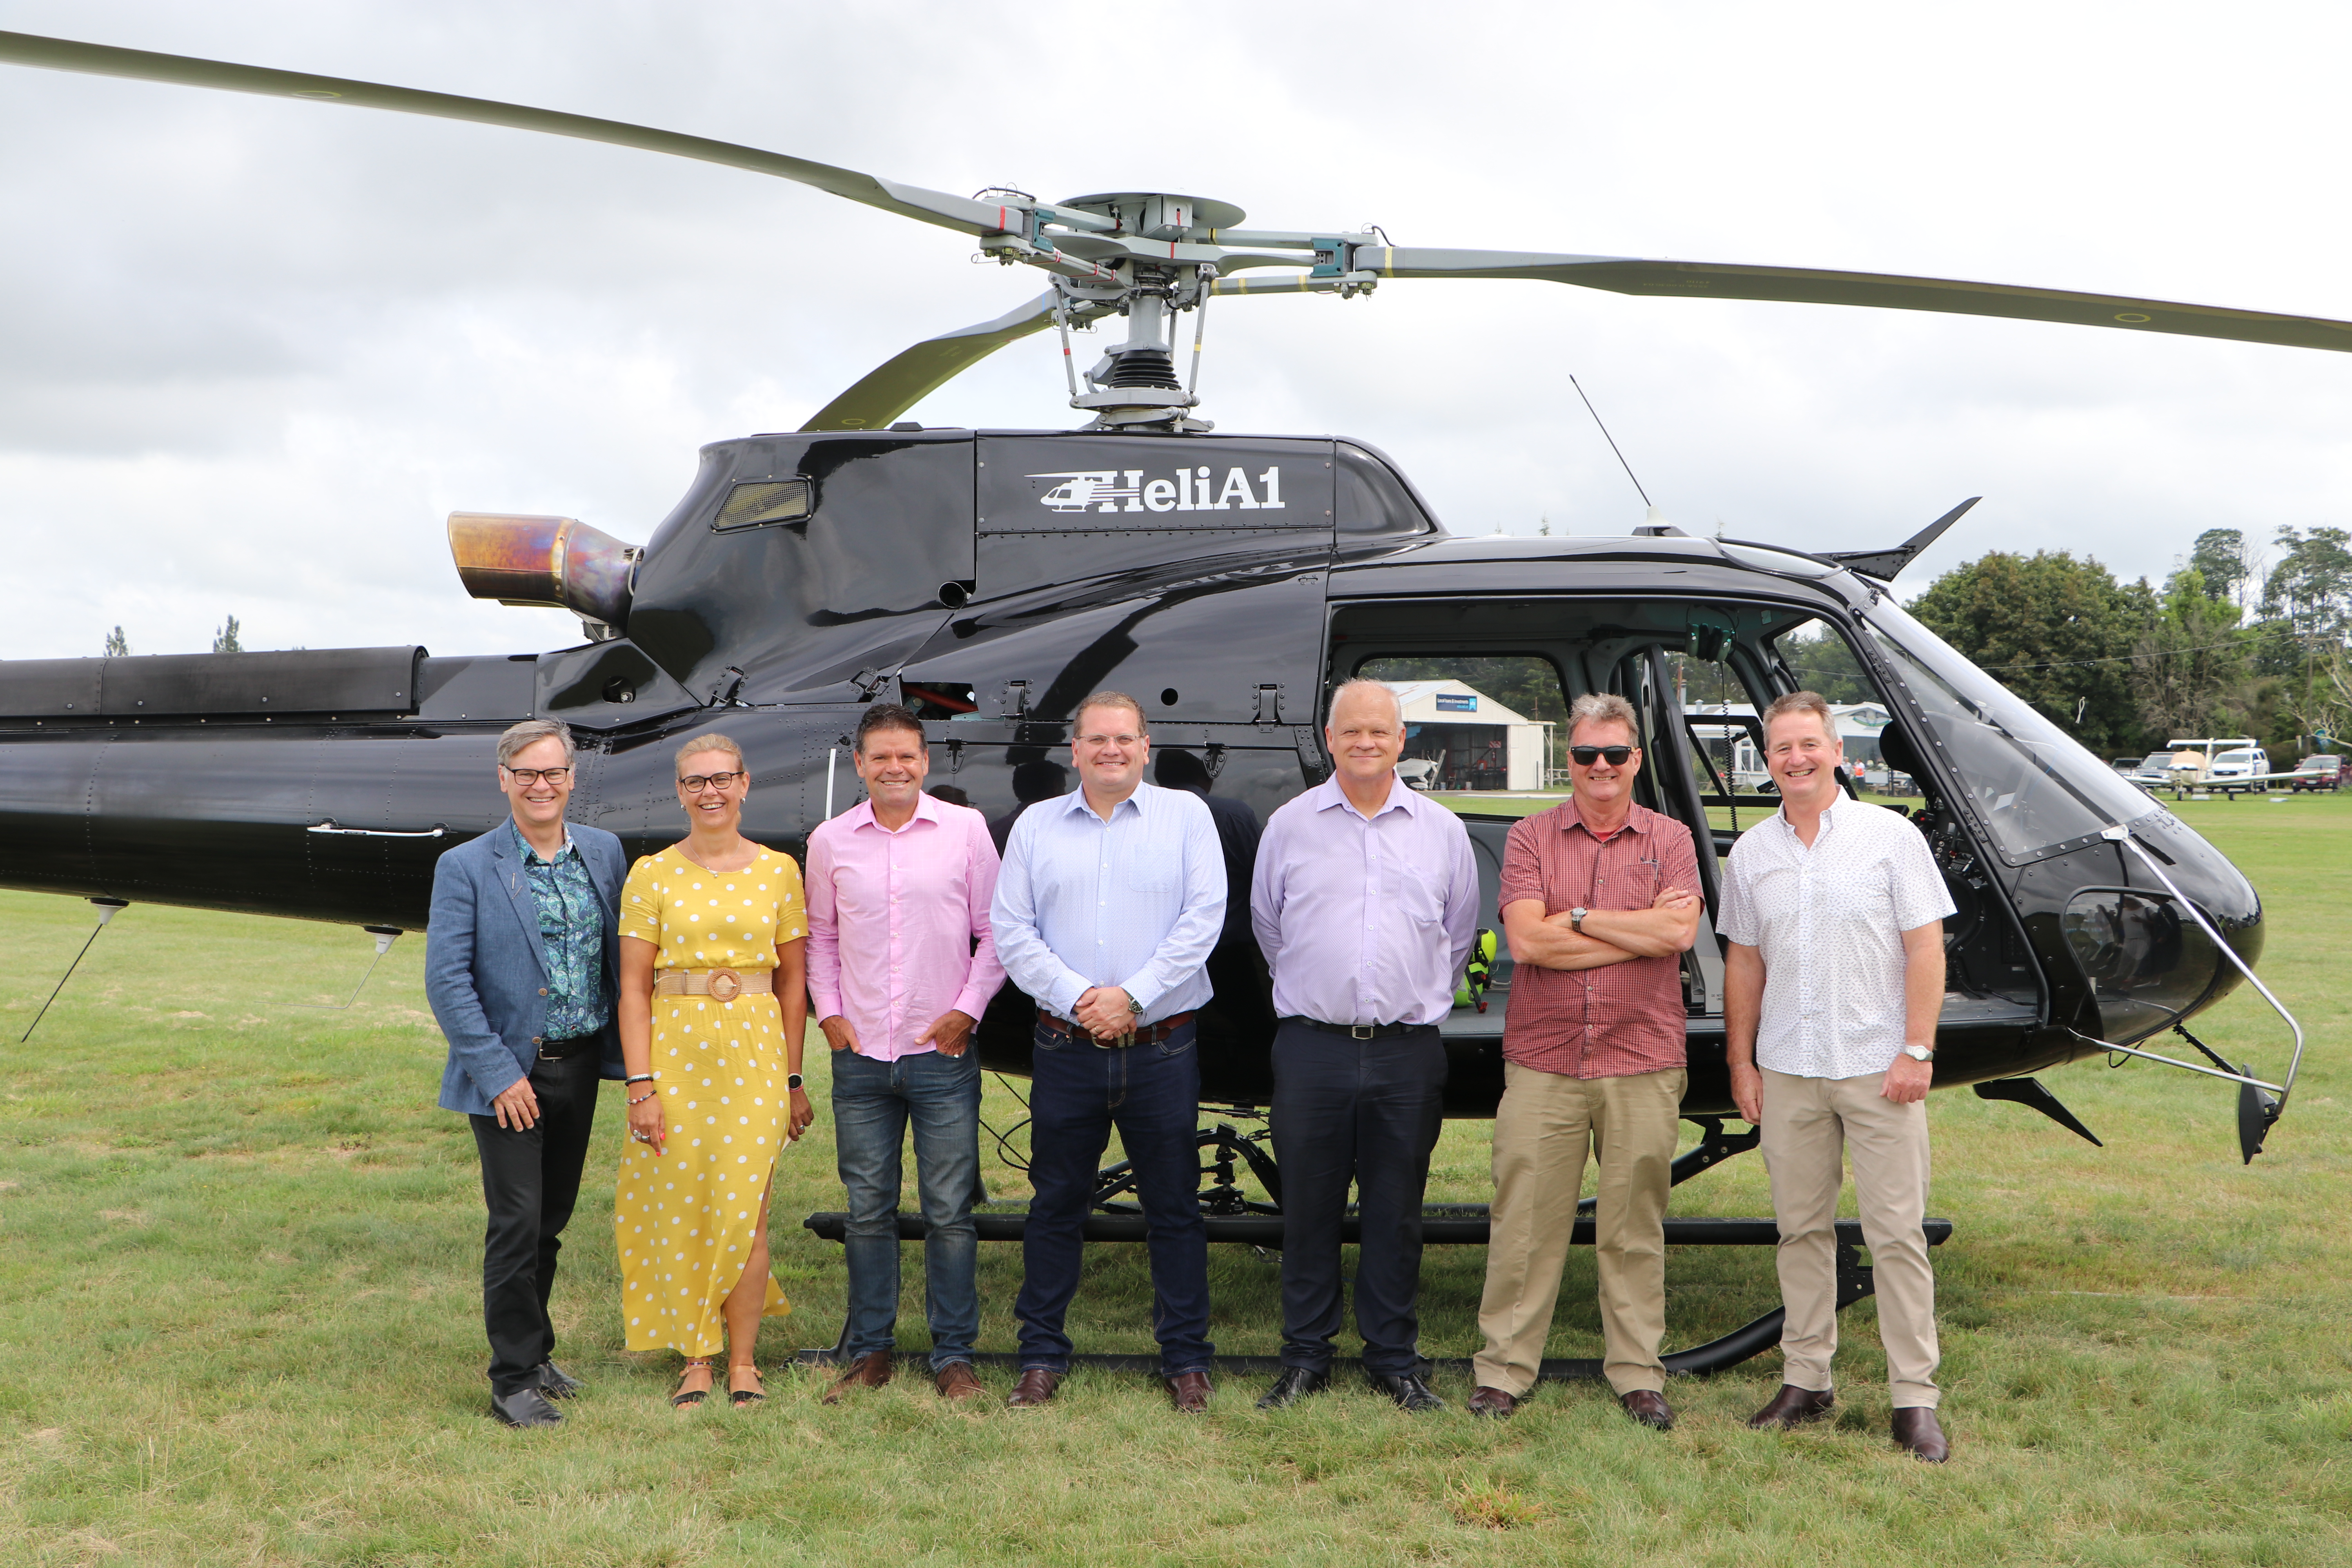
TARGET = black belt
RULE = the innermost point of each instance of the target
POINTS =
(563, 1050)
(1359, 1031)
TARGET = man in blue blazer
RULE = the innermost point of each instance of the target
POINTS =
(521, 961)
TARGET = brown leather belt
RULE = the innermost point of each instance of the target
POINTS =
(1149, 1035)
(719, 985)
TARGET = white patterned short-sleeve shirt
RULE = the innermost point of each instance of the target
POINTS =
(1829, 922)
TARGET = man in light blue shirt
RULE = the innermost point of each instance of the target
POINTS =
(1108, 903)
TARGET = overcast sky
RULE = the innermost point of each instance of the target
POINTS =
(253, 352)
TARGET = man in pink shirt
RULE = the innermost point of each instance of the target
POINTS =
(902, 962)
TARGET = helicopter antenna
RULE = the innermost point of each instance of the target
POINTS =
(1612, 447)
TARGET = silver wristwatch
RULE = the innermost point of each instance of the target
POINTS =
(1576, 919)
(1921, 1053)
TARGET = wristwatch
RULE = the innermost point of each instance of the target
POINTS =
(1576, 919)
(1135, 1007)
(1921, 1053)
(791, 1081)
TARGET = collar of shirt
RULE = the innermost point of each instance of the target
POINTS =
(1829, 817)
(862, 815)
(531, 856)
(1329, 793)
(1637, 821)
(1075, 803)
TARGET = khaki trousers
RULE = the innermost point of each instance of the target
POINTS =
(1809, 1123)
(1543, 1129)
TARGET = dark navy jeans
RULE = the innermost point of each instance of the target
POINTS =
(1366, 1112)
(874, 1103)
(1078, 1092)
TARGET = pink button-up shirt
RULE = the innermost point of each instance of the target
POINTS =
(893, 918)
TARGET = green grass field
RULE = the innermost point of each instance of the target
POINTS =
(239, 1322)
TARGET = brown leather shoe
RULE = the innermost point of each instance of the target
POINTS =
(1793, 1407)
(870, 1371)
(1490, 1401)
(955, 1382)
(1191, 1391)
(1036, 1387)
(1917, 1433)
(1650, 1408)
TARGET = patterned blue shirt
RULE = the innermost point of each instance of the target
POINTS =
(1137, 901)
(572, 931)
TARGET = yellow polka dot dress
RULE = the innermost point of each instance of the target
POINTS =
(685, 1221)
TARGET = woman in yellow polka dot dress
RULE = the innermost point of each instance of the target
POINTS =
(713, 1003)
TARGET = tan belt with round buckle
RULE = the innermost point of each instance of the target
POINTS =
(719, 985)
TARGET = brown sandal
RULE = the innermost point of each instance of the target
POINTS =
(686, 1399)
(739, 1397)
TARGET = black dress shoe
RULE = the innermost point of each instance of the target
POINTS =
(1407, 1389)
(1918, 1435)
(557, 1384)
(525, 1408)
(1650, 1408)
(1295, 1384)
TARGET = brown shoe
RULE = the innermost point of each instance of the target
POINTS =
(1487, 1400)
(870, 1371)
(1650, 1408)
(1917, 1433)
(1036, 1387)
(1793, 1407)
(1191, 1391)
(955, 1382)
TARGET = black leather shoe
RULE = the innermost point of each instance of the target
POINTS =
(1918, 1434)
(557, 1384)
(1793, 1407)
(525, 1408)
(1407, 1389)
(1295, 1384)
(1649, 1408)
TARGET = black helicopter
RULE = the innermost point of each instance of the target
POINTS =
(988, 579)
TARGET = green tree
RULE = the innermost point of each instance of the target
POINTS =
(225, 640)
(1823, 662)
(117, 645)
(2188, 664)
(2219, 557)
(2056, 631)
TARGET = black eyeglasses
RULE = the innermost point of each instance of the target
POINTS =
(529, 776)
(695, 784)
(1587, 756)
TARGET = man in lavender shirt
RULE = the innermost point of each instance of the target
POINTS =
(1365, 902)
(901, 963)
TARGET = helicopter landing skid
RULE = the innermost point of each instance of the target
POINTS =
(1451, 1225)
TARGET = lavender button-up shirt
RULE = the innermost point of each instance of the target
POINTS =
(893, 919)
(1365, 920)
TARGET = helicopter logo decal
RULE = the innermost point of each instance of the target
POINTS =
(1192, 490)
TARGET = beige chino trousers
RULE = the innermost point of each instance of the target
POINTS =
(1810, 1124)
(1545, 1126)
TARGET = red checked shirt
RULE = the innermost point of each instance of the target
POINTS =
(1619, 1019)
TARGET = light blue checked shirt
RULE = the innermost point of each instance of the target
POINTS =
(1136, 902)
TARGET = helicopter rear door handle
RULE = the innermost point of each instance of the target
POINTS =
(438, 830)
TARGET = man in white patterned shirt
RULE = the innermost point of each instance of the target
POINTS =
(1835, 910)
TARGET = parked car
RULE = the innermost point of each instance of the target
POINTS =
(2241, 762)
(2153, 771)
(2322, 771)
(2126, 765)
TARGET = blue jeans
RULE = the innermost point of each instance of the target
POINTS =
(873, 1102)
(1078, 1092)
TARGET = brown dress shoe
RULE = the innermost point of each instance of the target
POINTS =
(1191, 1391)
(955, 1382)
(870, 1371)
(1650, 1408)
(1036, 1387)
(1793, 1407)
(1917, 1433)
(1487, 1400)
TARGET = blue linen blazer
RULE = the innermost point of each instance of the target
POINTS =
(486, 971)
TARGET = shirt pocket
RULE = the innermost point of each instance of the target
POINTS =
(1413, 894)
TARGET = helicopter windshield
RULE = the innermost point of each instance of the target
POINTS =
(2033, 785)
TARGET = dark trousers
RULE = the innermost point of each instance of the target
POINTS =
(530, 1179)
(1078, 1092)
(1366, 1112)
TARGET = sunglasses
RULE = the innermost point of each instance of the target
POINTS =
(1587, 756)
(695, 784)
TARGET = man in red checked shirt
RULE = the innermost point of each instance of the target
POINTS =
(1599, 903)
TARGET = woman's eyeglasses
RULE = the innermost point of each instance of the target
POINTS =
(526, 777)
(695, 784)
(1587, 756)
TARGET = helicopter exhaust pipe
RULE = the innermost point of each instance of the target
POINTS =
(558, 563)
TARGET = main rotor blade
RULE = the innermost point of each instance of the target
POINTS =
(1813, 285)
(899, 383)
(100, 59)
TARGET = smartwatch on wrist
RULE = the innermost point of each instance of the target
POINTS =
(791, 1081)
